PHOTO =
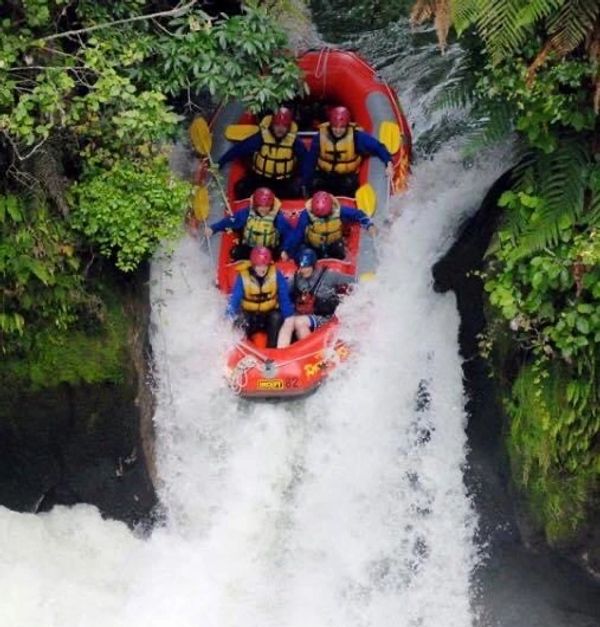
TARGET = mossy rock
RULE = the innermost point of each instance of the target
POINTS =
(552, 452)
(74, 357)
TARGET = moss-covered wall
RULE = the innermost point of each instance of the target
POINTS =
(520, 420)
(70, 419)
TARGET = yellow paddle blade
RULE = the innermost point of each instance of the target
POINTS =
(201, 136)
(366, 199)
(366, 276)
(200, 204)
(238, 132)
(390, 136)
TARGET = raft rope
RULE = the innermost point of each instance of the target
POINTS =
(239, 377)
(321, 69)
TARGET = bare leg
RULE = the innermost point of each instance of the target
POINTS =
(285, 333)
(302, 326)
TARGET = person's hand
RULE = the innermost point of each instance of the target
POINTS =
(372, 230)
(304, 191)
(208, 231)
(284, 256)
(389, 169)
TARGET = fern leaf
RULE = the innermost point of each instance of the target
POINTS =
(498, 24)
(495, 124)
(572, 24)
(459, 91)
(464, 14)
(537, 10)
(561, 179)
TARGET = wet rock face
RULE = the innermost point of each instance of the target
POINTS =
(504, 513)
(85, 443)
(72, 445)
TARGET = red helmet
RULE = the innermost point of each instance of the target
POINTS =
(260, 256)
(283, 116)
(263, 197)
(339, 116)
(322, 204)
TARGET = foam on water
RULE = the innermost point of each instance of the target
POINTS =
(347, 508)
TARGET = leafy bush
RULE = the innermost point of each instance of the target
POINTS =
(552, 444)
(40, 279)
(130, 209)
(532, 71)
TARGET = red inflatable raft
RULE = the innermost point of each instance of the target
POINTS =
(334, 77)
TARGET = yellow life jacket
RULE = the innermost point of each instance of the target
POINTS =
(321, 231)
(337, 155)
(275, 159)
(259, 298)
(260, 230)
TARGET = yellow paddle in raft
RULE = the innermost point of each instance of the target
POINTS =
(202, 141)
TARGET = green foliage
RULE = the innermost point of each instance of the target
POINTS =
(40, 280)
(540, 111)
(130, 209)
(235, 58)
(109, 89)
(84, 91)
(538, 78)
(555, 423)
(506, 26)
(73, 357)
(553, 194)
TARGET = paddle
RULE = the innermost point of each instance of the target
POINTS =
(366, 199)
(202, 141)
(239, 132)
(390, 136)
(200, 204)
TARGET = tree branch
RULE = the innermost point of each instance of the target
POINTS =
(180, 10)
(19, 156)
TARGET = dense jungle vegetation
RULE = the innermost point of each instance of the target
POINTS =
(91, 95)
(533, 70)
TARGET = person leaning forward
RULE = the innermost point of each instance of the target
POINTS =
(261, 223)
(315, 297)
(321, 224)
(260, 300)
(336, 153)
(277, 156)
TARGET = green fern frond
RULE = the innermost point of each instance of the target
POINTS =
(456, 96)
(572, 24)
(563, 176)
(592, 210)
(459, 91)
(464, 14)
(560, 180)
(537, 10)
(498, 25)
(496, 123)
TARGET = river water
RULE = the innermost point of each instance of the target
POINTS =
(345, 509)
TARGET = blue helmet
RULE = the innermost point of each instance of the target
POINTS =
(308, 257)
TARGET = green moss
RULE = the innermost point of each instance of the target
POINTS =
(74, 357)
(552, 451)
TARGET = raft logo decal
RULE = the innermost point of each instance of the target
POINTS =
(322, 363)
(270, 384)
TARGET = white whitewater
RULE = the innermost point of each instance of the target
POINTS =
(346, 509)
